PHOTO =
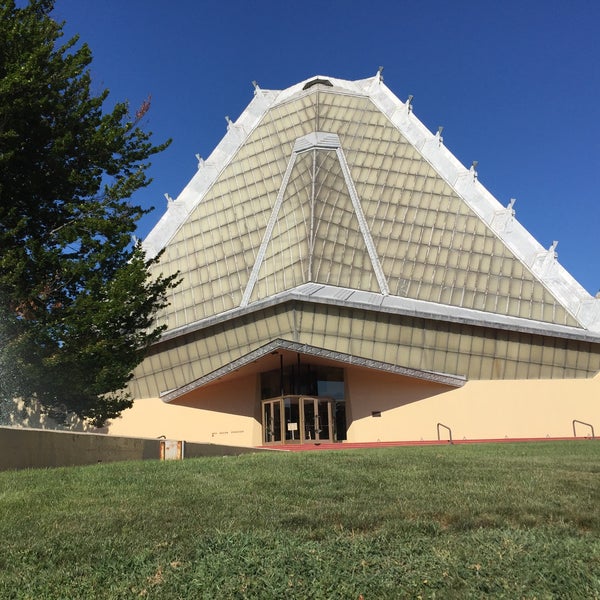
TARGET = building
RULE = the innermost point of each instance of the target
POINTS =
(345, 277)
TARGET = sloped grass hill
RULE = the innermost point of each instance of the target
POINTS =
(468, 521)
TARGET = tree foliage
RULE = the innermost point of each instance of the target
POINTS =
(77, 301)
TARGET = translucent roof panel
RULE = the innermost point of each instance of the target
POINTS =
(286, 261)
(216, 247)
(431, 245)
(340, 255)
(316, 236)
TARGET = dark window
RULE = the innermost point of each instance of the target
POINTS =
(303, 379)
(317, 81)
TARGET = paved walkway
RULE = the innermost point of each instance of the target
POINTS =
(353, 445)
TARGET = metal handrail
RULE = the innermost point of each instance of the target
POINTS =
(583, 423)
(445, 427)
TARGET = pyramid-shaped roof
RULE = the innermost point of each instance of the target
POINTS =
(334, 190)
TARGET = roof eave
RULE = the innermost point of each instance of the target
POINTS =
(454, 381)
(374, 302)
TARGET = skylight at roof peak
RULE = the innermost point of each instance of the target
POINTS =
(317, 81)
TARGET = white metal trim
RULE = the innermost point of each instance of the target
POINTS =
(268, 232)
(362, 223)
(556, 279)
(207, 173)
(372, 301)
(318, 140)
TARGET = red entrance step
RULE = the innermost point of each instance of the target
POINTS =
(354, 445)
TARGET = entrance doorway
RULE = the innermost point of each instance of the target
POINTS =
(298, 420)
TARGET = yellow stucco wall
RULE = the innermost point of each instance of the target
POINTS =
(228, 413)
(479, 410)
(221, 414)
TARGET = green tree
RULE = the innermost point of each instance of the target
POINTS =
(77, 301)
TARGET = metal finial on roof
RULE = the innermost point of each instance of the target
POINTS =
(473, 169)
(380, 74)
(200, 161)
(438, 135)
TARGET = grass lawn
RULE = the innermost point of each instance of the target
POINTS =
(465, 521)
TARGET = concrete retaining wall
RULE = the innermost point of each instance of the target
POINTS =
(34, 448)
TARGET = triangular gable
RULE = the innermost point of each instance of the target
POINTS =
(317, 230)
(437, 233)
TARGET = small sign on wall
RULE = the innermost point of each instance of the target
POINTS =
(171, 450)
(292, 426)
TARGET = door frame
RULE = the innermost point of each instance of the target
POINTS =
(299, 431)
(270, 434)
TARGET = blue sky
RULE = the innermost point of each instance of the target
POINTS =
(516, 85)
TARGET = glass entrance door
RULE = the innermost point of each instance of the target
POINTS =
(271, 415)
(318, 422)
(298, 420)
